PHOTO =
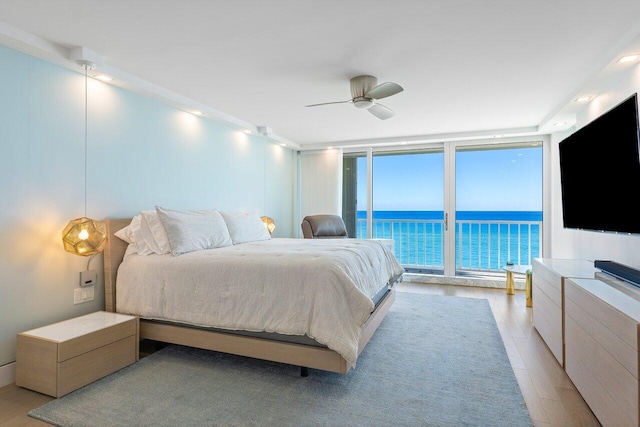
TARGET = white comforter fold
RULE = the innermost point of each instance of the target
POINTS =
(318, 287)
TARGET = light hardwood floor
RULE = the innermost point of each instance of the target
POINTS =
(550, 396)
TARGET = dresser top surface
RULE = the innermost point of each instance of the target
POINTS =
(78, 326)
(569, 267)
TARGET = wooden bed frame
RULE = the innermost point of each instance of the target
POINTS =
(305, 356)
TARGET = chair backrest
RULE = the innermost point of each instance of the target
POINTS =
(324, 227)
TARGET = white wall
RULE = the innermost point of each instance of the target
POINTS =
(590, 245)
(142, 153)
(320, 183)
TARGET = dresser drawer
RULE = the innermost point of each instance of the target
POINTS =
(599, 400)
(547, 279)
(619, 323)
(622, 352)
(548, 321)
(601, 342)
(553, 288)
(95, 364)
(88, 342)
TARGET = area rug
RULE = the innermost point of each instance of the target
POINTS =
(434, 361)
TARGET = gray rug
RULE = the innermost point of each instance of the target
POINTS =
(434, 361)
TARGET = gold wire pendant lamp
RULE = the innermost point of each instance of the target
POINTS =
(269, 223)
(85, 236)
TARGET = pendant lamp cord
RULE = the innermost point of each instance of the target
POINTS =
(89, 262)
(86, 119)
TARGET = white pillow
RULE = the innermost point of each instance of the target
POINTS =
(244, 227)
(154, 233)
(131, 249)
(189, 231)
(127, 233)
(141, 243)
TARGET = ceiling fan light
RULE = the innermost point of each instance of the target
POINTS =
(363, 103)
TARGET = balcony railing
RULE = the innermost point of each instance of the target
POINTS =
(481, 245)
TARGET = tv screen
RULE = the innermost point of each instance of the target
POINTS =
(600, 172)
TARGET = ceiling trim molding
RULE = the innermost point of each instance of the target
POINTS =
(506, 140)
(38, 47)
(33, 45)
(596, 82)
(409, 141)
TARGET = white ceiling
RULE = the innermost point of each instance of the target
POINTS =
(467, 66)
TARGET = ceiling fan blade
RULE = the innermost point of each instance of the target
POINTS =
(381, 112)
(383, 90)
(327, 103)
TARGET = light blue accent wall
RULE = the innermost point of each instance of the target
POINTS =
(141, 153)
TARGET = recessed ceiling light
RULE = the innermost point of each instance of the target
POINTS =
(103, 78)
(561, 123)
(283, 144)
(197, 113)
(247, 131)
(329, 148)
(583, 99)
(628, 58)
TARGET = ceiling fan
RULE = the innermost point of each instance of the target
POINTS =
(365, 92)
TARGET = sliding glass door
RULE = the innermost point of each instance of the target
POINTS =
(407, 204)
(498, 200)
(455, 209)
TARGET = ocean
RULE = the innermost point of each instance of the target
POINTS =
(485, 240)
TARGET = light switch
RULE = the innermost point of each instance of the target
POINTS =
(77, 296)
(86, 294)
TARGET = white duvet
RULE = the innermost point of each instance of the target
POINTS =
(321, 288)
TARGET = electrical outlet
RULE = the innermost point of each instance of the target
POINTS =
(85, 294)
(88, 278)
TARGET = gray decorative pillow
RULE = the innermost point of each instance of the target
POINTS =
(190, 231)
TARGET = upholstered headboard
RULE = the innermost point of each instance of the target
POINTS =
(113, 255)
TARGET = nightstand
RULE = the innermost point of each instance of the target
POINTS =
(60, 358)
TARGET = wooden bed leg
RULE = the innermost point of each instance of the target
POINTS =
(304, 371)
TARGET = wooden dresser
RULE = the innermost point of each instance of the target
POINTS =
(548, 294)
(602, 325)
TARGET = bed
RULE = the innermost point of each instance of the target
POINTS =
(181, 313)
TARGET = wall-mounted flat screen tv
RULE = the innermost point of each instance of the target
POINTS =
(600, 172)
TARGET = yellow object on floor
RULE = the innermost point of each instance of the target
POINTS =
(519, 269)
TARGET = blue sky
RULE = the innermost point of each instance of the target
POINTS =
(486, 180)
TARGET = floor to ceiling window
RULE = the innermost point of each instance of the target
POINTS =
(498, 205)
(490, 214)
(408, 206)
